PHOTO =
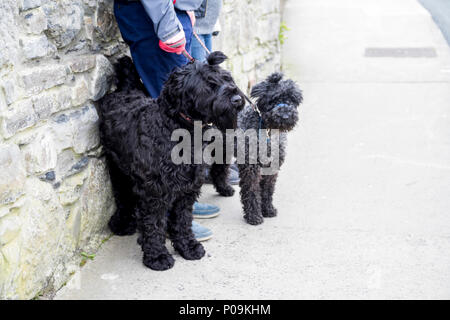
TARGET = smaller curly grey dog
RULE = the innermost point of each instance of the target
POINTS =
(277, 101)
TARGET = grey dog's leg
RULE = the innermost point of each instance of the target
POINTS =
(250, 193)
(267, 189)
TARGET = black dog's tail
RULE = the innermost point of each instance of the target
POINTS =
(127, 77)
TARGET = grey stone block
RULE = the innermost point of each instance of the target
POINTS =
(40, 155)
(18, 118)
(10, 90)
(77, 130)
(12, 173)
(80, 93)
(49, 103)
(105, 25)
(65, 20)
(38, 79)
(35, 21)
(85, 136)
(82, 63)
(37, 47)
(101, 78)
(31, 4)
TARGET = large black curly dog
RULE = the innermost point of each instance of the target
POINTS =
(154, 195)
(277, 101)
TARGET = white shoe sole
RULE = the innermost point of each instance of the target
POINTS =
(206, 238)
(208, 216)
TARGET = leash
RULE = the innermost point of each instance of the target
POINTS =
(190, 58)
(240, 91)
(201, 43)
(260, 127)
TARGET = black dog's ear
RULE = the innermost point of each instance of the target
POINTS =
(216, 57)
(275, 77)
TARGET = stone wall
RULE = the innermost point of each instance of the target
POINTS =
(55, 62)
(249, 38)
(55, 195)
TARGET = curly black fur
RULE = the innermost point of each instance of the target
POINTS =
(277, 101)
(153, 195)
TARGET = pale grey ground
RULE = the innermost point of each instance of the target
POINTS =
(363, 197)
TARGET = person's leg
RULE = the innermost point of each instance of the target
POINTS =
(152, 63)
(197, 51)
(207, 40)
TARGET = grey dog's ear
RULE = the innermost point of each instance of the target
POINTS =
(259, 90)
(275, 77)
(216, 57)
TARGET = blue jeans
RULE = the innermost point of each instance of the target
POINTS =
(197, 51)
(152, 63)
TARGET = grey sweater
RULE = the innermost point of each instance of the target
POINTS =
(162, 13)
(207, 16)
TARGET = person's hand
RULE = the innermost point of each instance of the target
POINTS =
(175, 44)
(179, 36)
(191, 15)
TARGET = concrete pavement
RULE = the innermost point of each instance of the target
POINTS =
(363, 198)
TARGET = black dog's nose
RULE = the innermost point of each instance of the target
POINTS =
(236, 100)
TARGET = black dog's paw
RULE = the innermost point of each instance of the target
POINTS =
(162, 262)
(269, 212)
(190, 250)
(122, 227)
(226, 191)
(254, 219)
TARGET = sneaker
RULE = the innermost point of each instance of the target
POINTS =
(205, 211)
(201, 233)
(233, 175)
